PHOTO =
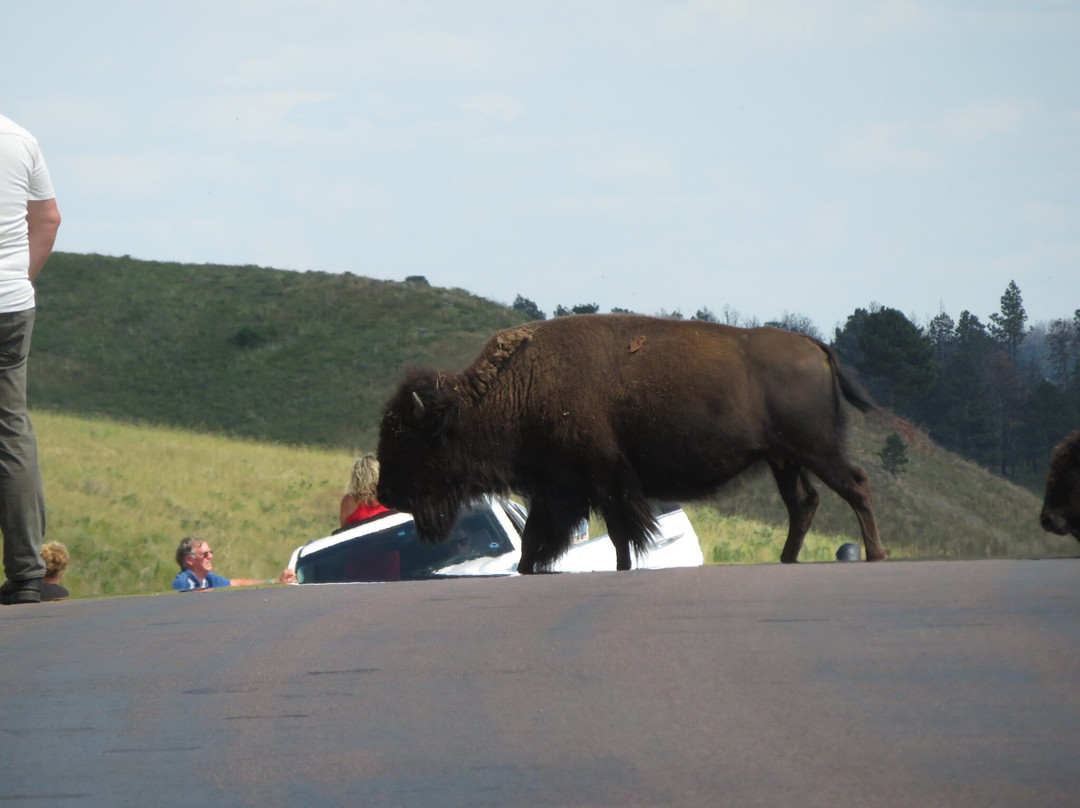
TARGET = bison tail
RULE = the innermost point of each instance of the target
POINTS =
(631, 524)
(854, 392)
(849, 387)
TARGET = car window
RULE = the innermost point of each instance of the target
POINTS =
(396, 554)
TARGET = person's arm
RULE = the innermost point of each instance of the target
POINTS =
(286, 577)
(349, 504)
(42, 222)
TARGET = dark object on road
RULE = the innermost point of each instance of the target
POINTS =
(848, 551)
(1061, 503)
(607, 412)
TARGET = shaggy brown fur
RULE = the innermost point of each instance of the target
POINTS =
(1061, 503)
(608, 412)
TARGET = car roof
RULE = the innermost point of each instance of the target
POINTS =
(374, 525)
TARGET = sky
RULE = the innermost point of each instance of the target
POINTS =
(753, 157)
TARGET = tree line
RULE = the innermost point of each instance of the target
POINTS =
(1001, 393)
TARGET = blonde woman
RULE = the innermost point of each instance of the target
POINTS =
(55, 556)
(359, 502)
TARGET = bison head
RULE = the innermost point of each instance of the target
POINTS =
(1061, 504)
(423, 463)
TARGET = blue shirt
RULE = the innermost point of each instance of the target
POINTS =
(186, 581)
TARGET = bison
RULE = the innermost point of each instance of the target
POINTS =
(606, 412)
(1061, 503)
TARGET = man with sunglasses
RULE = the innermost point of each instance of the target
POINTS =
(196, 561)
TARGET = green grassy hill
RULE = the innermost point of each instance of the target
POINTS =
(121, 497)
(939, 506)
(296, 357)
(228, 402)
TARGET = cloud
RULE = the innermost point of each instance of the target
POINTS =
(1044, 215)
(627, 162)
(768, 20)
(263, 118)
(795, 21)
(828, 225)
(984, 119)
(875, 147)
(127, 175)
(606, 206)
(505, 108)
(355, 53)
(74, 119)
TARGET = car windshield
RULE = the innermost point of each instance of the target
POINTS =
(395, 553)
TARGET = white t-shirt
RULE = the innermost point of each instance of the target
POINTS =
(23, 178)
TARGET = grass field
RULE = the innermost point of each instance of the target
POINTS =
(122, 496)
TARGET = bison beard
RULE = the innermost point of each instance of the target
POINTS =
(1061, 502)
(607, 412)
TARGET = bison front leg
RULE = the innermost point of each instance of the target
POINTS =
(801, 501)
(547, 535)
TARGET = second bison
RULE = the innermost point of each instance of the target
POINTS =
(607, 412)
(1061, 502)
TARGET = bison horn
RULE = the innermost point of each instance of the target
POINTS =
(418, 407)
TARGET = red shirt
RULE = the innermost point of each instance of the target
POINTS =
(364, 511)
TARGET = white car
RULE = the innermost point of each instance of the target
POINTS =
(485, 541)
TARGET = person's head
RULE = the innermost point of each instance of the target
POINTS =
(195, 554)
(55, 556)
(460, 539)
(365, 479)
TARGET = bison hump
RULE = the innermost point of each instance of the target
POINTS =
(495, 354)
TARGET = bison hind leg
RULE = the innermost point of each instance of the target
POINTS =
(853, 485)
(801, 500)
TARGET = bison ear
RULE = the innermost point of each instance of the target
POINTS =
(445, 420)
(434, 412)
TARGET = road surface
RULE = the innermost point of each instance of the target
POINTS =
(897, 684)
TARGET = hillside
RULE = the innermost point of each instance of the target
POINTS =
(939, 506)
(305, 358)
(122, 496)
(228, 401)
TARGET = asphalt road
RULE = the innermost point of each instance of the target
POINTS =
(896, 684)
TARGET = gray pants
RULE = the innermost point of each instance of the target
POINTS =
(22, 498)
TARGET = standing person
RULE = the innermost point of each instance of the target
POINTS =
(359, 502)
(196, 561)
(29, 220)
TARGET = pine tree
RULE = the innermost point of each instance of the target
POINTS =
(897, 361)
(1007, 327)
(894, 454)
(942, 335)
(1060, 343)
